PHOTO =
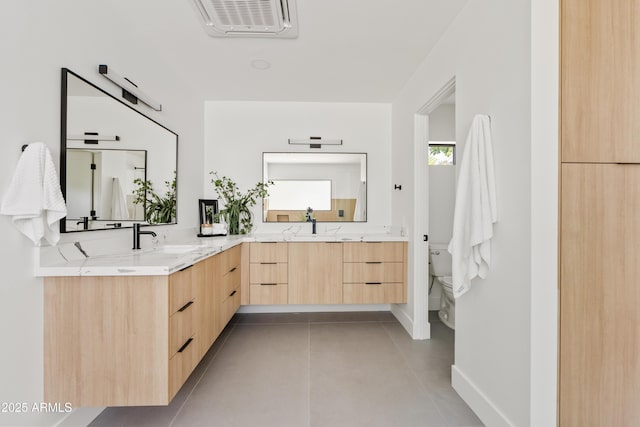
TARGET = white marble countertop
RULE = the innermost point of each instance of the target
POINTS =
(166, 259)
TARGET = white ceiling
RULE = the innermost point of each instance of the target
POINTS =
(347, 50)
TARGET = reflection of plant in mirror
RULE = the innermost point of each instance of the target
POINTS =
(157, 210)
(236, 212)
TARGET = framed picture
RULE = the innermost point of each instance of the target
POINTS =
(208, 209)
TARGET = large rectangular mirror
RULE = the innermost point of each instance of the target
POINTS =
(114, 161)
(333, 185)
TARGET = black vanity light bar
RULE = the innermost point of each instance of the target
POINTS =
(314, 141)
(130, 90)
(93, 138)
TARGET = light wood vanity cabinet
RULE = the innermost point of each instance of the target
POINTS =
(268, 273)
(375, 273)
(328, 273)
(134, 340)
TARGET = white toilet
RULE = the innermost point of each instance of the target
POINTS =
(440, 267)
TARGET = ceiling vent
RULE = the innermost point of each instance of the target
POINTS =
(249, 18)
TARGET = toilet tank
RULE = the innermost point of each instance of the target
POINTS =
(439, 259)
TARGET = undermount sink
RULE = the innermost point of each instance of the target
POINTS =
(177, 249)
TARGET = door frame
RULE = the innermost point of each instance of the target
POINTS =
(421, 326)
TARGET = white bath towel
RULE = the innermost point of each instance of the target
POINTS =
(34, 199)
(475, 208)
(118, 202)
(360, 211)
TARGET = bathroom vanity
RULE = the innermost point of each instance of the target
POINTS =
(128, 329)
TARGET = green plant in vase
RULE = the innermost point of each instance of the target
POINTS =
(236, 212)
(157, 209)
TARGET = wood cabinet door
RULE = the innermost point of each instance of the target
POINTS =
(315, 273)
(600, 81)
(600, 295)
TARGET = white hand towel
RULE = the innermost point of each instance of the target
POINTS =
(118, 202)
(34, 199)
(475, 209)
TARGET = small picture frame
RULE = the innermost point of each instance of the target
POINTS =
(208, 209)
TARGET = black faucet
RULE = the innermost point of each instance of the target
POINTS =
(311, 220)
(137, 233)
(84, 220)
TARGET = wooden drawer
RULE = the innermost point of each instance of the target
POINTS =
(180, 327)
(268, 294)
(362, 272)
(181, 365)
(374, 251)
(180, 289)
(229, 306)
(268, 252)
(267, 273)
(230, 282)
(230, 259)
(369, 293)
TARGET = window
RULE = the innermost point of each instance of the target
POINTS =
(442, 153)
(291, 195)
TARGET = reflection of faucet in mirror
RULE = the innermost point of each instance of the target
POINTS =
(137, 233)
(311, 220)
(115, 225)
(84, 221)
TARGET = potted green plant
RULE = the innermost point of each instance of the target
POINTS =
(157, 209)
(236, 211)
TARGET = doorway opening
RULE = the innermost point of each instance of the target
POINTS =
(433, 122)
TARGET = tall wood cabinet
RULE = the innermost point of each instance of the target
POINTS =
(599, 347)
(600, 81)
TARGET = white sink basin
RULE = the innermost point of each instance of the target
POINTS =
(177, 249)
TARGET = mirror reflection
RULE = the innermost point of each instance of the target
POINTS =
(333, 185)
(118, 166)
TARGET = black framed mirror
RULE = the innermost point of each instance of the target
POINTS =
(333, 185)
(117, 165)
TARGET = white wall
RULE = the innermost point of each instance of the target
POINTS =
(236, 134)
(442, 123)
(37, 40)
(487, 49)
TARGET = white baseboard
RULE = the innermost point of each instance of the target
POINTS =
(80, 417)
(488, 413)
(409, 325)
(291, 308)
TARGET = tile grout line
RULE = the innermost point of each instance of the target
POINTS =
(415, 374)
(202, 375)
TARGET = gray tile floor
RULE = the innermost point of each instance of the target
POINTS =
(314, 369)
